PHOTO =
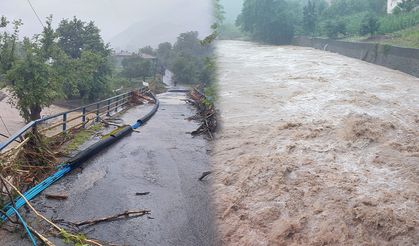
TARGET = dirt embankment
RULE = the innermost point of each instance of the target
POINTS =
(315, 149)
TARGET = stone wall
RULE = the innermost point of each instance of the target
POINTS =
(402, 59)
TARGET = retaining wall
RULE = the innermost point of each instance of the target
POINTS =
(402, 59)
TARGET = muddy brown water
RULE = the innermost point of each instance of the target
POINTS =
(315, 148)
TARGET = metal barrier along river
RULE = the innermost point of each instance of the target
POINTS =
(74, 118)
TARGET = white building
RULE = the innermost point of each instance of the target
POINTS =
(391, 4)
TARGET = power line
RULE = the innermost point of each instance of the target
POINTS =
(37, 16)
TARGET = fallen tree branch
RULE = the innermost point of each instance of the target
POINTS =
(204, 174)
(126, 214)
(56, 227)
(56, 197)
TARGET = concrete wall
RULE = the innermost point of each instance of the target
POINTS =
(402, 59)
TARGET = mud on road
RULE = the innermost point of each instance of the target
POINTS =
(315, 148)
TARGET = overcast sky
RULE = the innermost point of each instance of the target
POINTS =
(115, 16)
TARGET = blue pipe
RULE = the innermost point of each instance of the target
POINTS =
(26, 227)
(65, 168)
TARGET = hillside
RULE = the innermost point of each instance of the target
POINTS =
(408, 37)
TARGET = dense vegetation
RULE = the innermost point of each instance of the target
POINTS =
(278, 21)
(69, 62)
(189, 59)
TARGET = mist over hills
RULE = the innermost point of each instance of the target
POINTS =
(232, 9)
(144, 33)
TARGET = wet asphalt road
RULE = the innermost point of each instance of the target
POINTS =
(162, 159)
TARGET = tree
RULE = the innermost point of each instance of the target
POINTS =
(164, 53)
(8, 43)
(188, 44)
(89, 64)
(148, 50)
(136, 67)
(369, 25)
(271, 21)
(333, 29)
(76, 36)
(185, 70)
(32, 82)
(309, 18)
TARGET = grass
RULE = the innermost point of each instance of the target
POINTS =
(408, 37)
(81, 137)
(405, 38)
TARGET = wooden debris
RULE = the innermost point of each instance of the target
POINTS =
(126, 214)
(56, 197)
(142, 193)
(204, 174)
(206, 114)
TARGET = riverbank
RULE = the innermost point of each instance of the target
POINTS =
(402, 59)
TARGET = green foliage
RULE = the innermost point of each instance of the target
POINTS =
(271, 21)
(188, 59)
(71, 62)
(148, 50)
(87, 70)
(69, 238)
(406, 6)
(76, 36)
(369, 25)
(309, 18)
(164, 53)
(8, 43)
(185, 70)
(34, 83)
(137, 67)
(393, 23)
(333, 29)
(81, 137)
(229, 31)
(93, 71)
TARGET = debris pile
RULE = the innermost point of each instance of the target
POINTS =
(206, 113)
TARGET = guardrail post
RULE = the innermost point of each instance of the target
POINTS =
(64, 122)
(109, 108)
(83, 118)
(97, 112)
(116, 104)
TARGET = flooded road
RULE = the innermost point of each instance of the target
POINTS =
(162, 159)
(315, 148)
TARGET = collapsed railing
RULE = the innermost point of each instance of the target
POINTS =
(76, 118)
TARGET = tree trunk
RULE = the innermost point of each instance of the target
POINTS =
(35, 112)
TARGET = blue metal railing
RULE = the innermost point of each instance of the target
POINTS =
(98, 109)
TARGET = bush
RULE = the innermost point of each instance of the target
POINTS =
(369, 25)
(393, 23)
(333, 29)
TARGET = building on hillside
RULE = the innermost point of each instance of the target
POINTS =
(391, 4)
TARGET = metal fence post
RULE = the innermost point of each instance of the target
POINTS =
(109, 108)
(116, 104)
(97, 112)
(83, 118)
(64, 122)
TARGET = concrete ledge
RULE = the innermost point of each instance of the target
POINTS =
(402, 59)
